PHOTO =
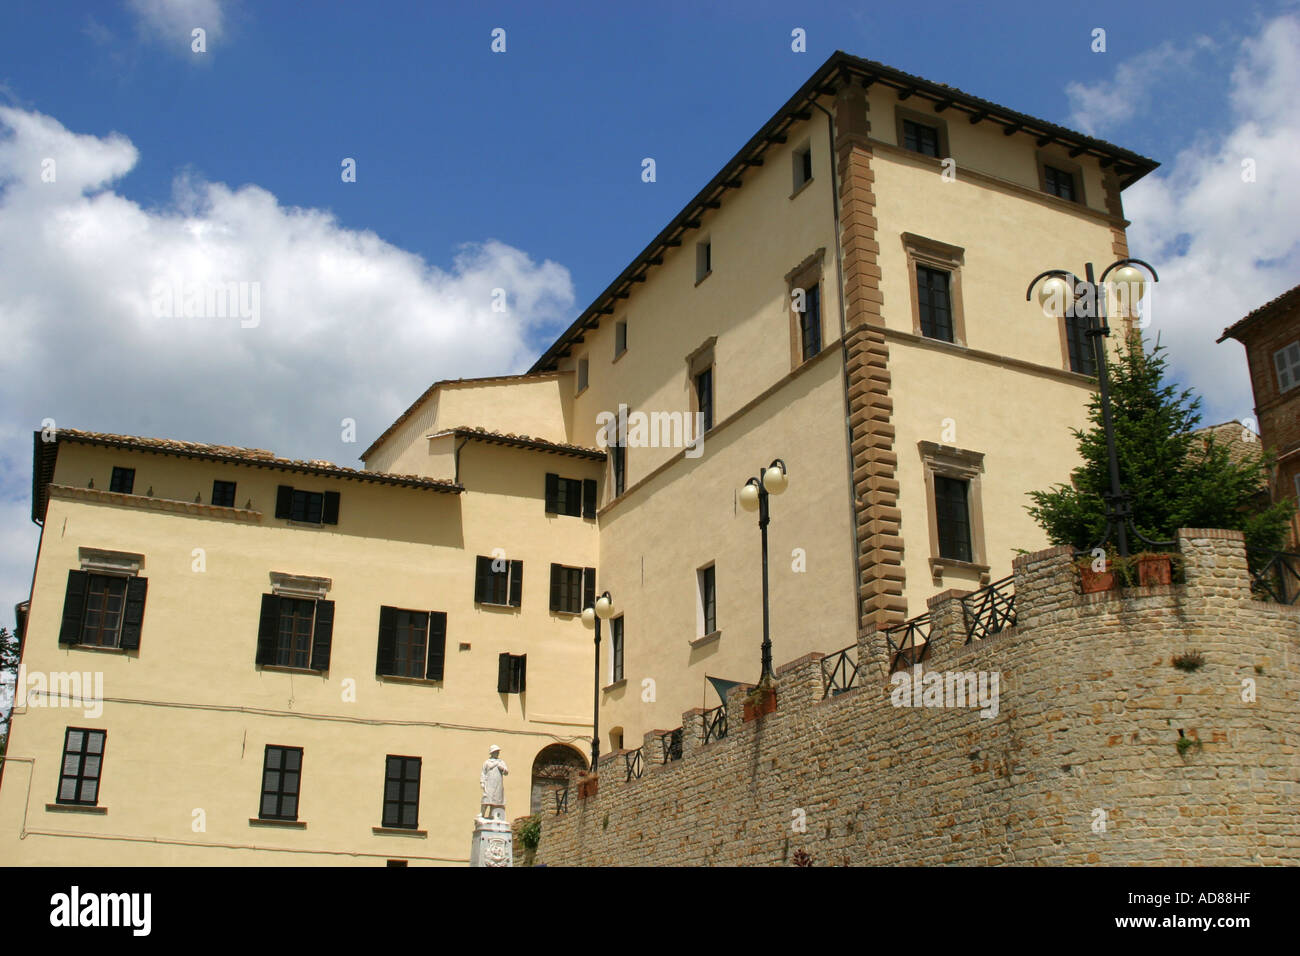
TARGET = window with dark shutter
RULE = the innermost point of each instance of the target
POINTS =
(588, 588)
(83, 756)
(223, 494)
(74, 607)
(935, 303)
(295, 632)
(281, 780)
(330, 511)
(618, 464)
(268, 629)
(437, 645)
(498, 581)
(411, 643)
(402, 792)
(568, 590)
(122, 481)
(283, 501)
(385, 658)
(1082, 357)
(552, 493)
(589, 497)
(103, 610)
(953, 517)
(133, 616)
(512, 673)
(323, 636)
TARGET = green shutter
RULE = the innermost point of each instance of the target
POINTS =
(503, 673)
(330, 511)
(283, 501)
(133, 612)
(323, 636)
(556, 573)
(437, 644)
(516, 583)
(74, 607)
(387, 640)
(589, 497)
(268, 629)
(588, 587)
(482, 579)
(552, 493)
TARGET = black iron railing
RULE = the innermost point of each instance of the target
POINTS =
(672, 745)
(909, 642)
(839, 671)
(561, 800)
(989, 610)
(632, 761)
(1275, 575)
(715, 723)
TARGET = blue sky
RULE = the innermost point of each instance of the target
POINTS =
(472, 166)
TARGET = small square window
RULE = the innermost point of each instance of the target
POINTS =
(920, 138)
(223, 494)
(512, 673)
(123, 480)
(703, 259)
(1059, 182)
(620, 337)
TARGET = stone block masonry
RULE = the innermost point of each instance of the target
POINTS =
(1081, 764)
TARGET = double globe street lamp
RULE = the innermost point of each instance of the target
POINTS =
(601, 610)
(1063, 293)
(753, 497)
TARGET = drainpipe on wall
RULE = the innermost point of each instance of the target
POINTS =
(844, 367)
(456, 456)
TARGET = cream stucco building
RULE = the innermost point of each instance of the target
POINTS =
(305, 663)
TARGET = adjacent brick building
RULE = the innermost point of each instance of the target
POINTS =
(1271, 335)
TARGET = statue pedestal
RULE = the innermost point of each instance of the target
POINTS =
(493, 843)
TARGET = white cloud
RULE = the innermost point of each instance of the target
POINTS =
(350, 326)
(171, 21)
(1222, 246)
(1134, 88)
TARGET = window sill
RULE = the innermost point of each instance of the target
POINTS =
(952, 343)
(315, 525)
(399, 831)
(581, 390)
(96, 647)
(282, 669)
(403, 679)
(621, 682)
(939, 565)
(703, 277)
(806, 183)
(287, 824)
(618, 356)
(707, 638)
(75, 808)
(500, 607)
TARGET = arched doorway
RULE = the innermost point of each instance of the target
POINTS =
(551, 768)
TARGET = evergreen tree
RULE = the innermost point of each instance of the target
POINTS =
(1176, 479)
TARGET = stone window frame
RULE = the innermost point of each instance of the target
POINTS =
(925, 119)
(101, 561)
(806, 274)
(923, 251)
(309, 587)
(700, 621)
(1065, 165)
(702, 360)
(966, 465)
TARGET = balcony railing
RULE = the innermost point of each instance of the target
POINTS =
(632, 761)
(715, 723)
(989, 610)
(672, 745)
(1275, 575)
(909, 642)
(839, 671)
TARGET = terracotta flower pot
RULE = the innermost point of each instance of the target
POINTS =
(1094, 581)
(1155, 569)
(764, 704)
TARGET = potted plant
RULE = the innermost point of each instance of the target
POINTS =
(761, 700)
(1155, 568)
(1095, 581)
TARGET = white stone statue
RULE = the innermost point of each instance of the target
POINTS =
(494, 790)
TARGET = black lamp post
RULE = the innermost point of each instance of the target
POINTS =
(753, 497)
(592, 616)
(1085, 299)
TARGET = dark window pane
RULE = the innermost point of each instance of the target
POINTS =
(920, 138)
(704, 393)
(953, 517)
(223, 494)
(810, 322)
(123, 480)
(933, 300)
